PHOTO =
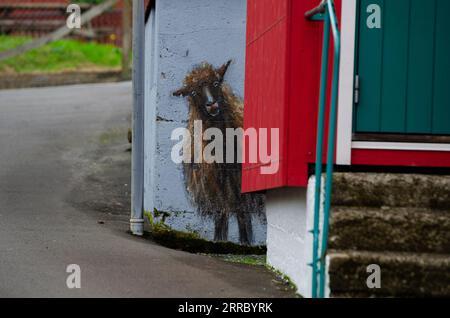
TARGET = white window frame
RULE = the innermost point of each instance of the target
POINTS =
(345, 142)
(346, 83)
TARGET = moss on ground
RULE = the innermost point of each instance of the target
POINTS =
(254, 260)
(191, 242)
(113, 134)
(284, 278)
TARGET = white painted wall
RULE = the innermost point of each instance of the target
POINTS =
(186, 33)
(290, 218)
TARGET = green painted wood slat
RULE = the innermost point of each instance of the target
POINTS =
(404, 68)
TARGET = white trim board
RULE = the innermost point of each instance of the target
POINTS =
(400, 146)
(346, 82)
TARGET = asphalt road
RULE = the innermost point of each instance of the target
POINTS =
(64, 199)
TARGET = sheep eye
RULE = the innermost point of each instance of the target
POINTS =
(216, 84)
(194, 94)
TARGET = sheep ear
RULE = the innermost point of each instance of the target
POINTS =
(181, 92)
(223, 69)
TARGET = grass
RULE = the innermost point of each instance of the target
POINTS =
(253, 260)
(59, 56)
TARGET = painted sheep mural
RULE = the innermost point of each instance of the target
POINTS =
(200, 198)
(215, 188)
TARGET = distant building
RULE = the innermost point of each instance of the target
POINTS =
(37, 18)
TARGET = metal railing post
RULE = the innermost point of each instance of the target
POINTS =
(319, 152)
(331, 147)
(325, 11)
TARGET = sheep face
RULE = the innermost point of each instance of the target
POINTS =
(203, 87)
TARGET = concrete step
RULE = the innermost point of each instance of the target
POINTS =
(411, 230)
(402, 274)
(393, 190)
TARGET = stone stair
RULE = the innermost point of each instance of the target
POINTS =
(400, 222)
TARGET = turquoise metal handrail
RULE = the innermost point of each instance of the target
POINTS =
(325, 12)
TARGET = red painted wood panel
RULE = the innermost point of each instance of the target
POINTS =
(265, 85)
(282, 86)
(304, 78)
(262, 15)
(434, 159)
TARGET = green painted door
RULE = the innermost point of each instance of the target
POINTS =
(403, 65)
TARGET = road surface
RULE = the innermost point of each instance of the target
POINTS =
(64, 199)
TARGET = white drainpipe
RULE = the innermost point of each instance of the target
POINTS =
(137, 177)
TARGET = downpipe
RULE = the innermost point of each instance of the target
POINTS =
(137, 162)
